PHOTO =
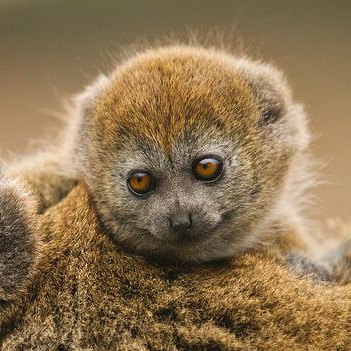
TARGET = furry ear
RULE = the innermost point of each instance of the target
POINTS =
(270, 88)
(271, 113)
(19, 247)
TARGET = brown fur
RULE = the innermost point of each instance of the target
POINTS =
(180, 76)
(90, 295)
(171, 104)
(67, 284)
(44, 175)
(19, 244)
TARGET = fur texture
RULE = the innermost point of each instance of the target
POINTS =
(44, 174)
(66, 281)
(159, 111)
(90, 295)
(19, 244)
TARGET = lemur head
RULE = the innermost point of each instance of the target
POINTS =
(186, 151)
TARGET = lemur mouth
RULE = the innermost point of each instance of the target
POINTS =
(183, 240)
(190, 238)
(227, 216)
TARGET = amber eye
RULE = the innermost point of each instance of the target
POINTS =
(140, 183)
(208, 169)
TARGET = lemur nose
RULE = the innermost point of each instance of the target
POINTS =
(181, 222)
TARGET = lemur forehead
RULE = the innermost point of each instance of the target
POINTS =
(162, 94)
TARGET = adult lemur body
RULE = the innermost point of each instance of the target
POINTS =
(190, 154)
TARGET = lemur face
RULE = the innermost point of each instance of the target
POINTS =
(188, 151)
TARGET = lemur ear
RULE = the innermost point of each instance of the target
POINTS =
(19, 247)
(269, 87)
(271, 112)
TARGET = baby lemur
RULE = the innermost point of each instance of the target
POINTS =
(190, 154)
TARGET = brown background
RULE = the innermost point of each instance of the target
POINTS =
(50, 49)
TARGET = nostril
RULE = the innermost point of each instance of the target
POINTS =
(181, 222)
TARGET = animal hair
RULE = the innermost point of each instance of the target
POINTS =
(88, 294)
(87, 262)
(19, 246)
(160, 108)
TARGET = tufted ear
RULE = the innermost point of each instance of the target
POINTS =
(19, 247)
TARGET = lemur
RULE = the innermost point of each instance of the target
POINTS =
(190, 154)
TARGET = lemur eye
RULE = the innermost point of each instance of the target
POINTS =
(140, 183)
(208, 169)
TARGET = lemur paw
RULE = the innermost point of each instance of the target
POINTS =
(18, 246)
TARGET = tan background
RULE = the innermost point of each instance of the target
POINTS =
(50, 49)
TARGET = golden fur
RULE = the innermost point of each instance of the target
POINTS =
(76, 284)
(162, 108)
(90, 295)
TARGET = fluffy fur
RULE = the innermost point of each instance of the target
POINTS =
(91, 295)
(67, 284)
(162, 108)
(19, 245)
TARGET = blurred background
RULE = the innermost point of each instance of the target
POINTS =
(50, 49)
